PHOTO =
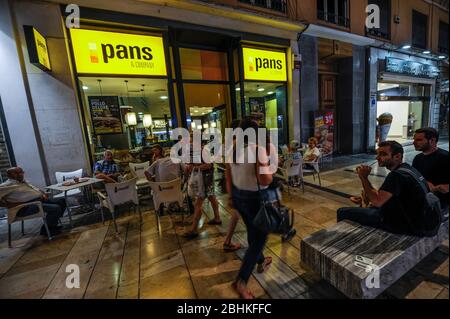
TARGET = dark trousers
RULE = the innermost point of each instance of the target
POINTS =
(370, 216)
(53, 208)
(248, 203)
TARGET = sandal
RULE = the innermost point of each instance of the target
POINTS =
(231, 247)
(265, 265)
(215, 222)
(244, 295)
(190, 235)
(356, 200)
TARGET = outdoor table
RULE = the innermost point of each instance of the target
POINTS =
(83, 183)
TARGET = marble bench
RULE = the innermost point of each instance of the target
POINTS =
(362, 261)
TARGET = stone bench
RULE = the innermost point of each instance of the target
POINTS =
(347, 255)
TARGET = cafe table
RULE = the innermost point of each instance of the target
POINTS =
(83, 183)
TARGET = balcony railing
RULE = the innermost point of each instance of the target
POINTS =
(378, 33)
(333, 18)
(275, 5)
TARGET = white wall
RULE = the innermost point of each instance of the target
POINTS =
(399, 111)
(53, 96)
(16, 102)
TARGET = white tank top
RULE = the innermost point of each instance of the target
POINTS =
(244, 175)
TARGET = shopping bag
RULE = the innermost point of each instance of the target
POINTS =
(195, 184)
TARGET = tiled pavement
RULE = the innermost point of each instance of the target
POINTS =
(142, 263)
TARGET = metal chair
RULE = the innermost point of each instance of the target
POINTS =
(314, 171)
(166, 193)
(291, 169)
(119, 194)
(13, 211)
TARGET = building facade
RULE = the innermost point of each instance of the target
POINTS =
(133, 72)
(303, 68)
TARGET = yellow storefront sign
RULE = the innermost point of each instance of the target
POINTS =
(41, 49)
(264, 65)
(101, 52)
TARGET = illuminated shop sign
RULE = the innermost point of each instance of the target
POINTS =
(406, 67)
(264, 65)
(37, 48)
(100, 52)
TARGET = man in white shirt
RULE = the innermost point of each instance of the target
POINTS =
(26, 192)
(163, 170)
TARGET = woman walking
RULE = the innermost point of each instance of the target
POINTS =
(243, 182)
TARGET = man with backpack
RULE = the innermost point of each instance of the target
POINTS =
(432, 163)
(403, 204)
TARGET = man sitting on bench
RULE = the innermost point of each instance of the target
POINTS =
(397, 206)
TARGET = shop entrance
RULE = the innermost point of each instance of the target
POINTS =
(405, 107)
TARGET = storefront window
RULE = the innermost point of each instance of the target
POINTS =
(207, 106)
(407, 104)
(203, 65)
(126, 114)
(266, 103)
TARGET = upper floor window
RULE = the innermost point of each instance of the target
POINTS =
(385, 19)
(276, 5)
(419, 30)
(334, 11)
(443, 37)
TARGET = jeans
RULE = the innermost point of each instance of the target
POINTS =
(54, 209)
(247, 204)
(365, 216)
(384, 131)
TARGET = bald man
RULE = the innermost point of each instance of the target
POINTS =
(26, 192)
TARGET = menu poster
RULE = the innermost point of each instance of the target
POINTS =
(257, 110)
(105, 114)
(324, 131)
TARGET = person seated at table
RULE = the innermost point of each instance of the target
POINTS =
(162, 168)
(294, 153)
(26, 192)
(158, 152)
(311, 154)
(106, 169)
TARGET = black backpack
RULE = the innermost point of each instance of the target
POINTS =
(433, 215)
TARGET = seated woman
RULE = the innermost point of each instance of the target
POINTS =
(106, 169)
(311, 154)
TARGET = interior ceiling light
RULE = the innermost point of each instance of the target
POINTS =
(406, 47)
(163, 97)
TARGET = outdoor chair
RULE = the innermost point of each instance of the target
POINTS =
(315, 170)
(166, 193)
(61, 177)
(118, 194)
(13, 211)
(137, 170)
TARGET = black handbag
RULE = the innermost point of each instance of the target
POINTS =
(273, 217)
